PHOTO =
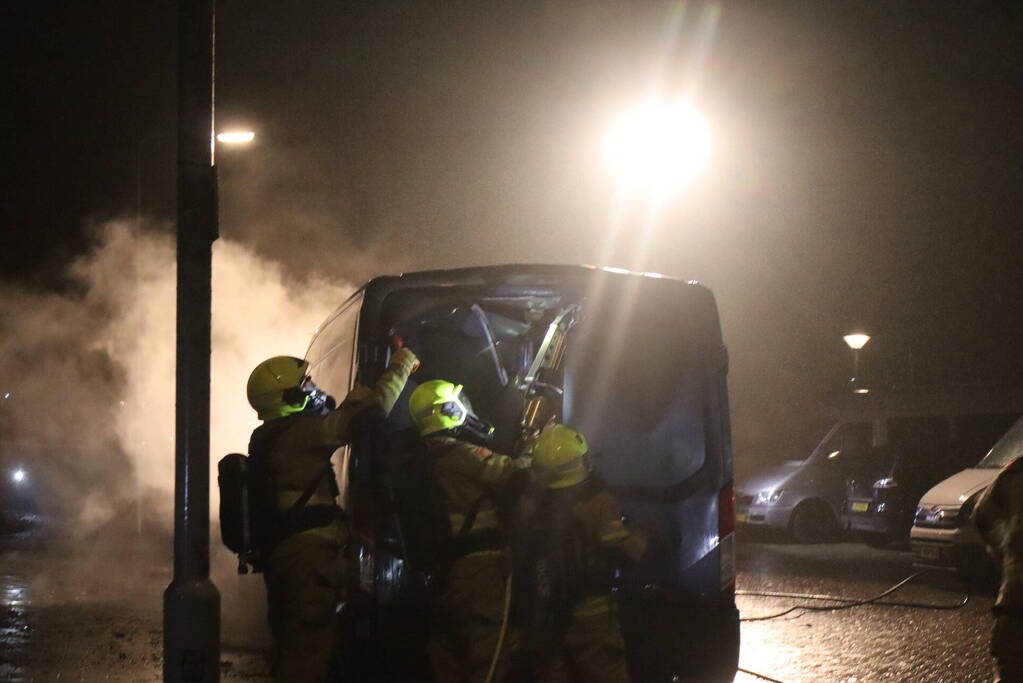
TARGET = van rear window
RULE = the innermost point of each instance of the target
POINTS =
(636, 385)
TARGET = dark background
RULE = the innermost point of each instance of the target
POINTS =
(866, 169)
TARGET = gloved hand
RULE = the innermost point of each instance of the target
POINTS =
(406, 359)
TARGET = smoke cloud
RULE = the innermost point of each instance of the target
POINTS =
(92, 371)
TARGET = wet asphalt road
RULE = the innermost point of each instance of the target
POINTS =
(870, 643)
(66, 615)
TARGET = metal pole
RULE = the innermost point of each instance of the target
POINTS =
(191, 604)
(856, 369)
(137, 365)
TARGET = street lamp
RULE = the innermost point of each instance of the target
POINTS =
(657, 146)
(857, 341)
(236, 137)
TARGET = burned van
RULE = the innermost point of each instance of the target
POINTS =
(635, 361)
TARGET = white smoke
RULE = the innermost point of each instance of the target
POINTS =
(94, 369)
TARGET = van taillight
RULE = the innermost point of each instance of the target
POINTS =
(726, 539)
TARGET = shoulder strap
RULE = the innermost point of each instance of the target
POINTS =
(470, 519)
(309, 489)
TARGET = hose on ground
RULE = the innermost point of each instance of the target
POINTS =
(849, 603)
(761, 676)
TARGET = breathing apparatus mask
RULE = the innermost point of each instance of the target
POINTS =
(317, 401)
(471, 426)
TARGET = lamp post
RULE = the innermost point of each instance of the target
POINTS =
(857, 341)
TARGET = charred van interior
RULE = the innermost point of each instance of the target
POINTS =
(503, 345)
(636, 363)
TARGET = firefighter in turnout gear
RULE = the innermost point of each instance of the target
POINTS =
(999, 519)
(472, 585)
(567, 544)
(301, 429)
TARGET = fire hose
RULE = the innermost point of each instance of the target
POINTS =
(842, 604)
(848, 603)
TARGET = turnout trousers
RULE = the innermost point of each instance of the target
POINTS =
(593, 650)
(467, 620)
(303, 586)
(1007, 648)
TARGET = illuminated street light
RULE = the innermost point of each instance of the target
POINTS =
(857, 341)
(18, 476)
(657, 146)
(236, 137)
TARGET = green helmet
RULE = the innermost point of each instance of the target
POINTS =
(275, 387)
(558, 457)
(437, 406)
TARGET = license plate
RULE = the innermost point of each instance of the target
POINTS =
(740, 517)
(929, 552)
(860, 506)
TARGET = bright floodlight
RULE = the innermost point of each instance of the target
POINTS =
(18, 476)
(856, 341)
(236, 137)
(658, 145)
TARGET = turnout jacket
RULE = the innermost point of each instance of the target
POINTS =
(300, 446)
(999, 519)
(473, 479)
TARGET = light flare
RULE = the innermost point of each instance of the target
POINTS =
(236, 137)
(657, 146)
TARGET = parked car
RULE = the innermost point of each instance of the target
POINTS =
(871, 467)
(943, 535)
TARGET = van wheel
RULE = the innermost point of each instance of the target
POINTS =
(812, 522)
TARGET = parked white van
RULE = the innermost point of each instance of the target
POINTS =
(943, 535)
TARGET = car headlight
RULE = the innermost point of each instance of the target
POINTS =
(767, 497)
(940, 516)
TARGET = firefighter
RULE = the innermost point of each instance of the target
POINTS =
(468, 641)
(567, 546)
(999, 519)
(301, 429)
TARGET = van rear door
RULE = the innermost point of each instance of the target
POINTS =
(645, 382)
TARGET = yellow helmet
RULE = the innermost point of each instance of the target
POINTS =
(437, 406)
(275, 387)
(558, 457)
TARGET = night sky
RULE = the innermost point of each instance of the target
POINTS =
(866, 172)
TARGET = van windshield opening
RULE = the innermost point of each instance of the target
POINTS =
(1008, 447)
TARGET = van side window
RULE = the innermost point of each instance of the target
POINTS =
(331, 353)
(851, 442)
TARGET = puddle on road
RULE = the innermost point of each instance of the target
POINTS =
(14, 628)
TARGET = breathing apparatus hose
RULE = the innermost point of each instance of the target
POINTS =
(504, 629)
